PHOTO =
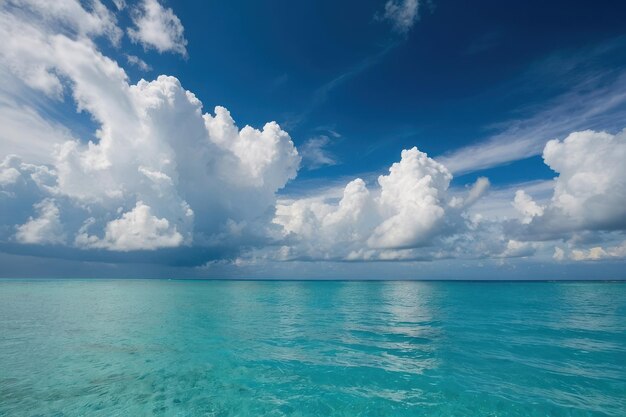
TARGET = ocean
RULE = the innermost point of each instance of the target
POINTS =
(295, 348)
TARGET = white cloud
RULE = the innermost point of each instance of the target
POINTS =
(314, 153)
(9, 173)
(161, 172)
(120, 4)
(44, 229)
(477, 190)
(559, 254)
(598, 101)
(526, 206)
(18, 176)
(137, 229)
(497, 206)
(588, 202)
(409, 210)
(138, 62)
(163, 151)
(96, 20)
(592, 254)
(320, 226)
(158, 28)
(411, 201)
(402, 14)
(27, 54)
(598, 253)
(590, 190)
(517, 249)
(23, 129)
(31, 28)
(262, 157)
(153, 145)
(414, 215)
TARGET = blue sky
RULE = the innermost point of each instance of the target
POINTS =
(411, 139)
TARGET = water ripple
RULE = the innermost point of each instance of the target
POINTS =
(181, 348)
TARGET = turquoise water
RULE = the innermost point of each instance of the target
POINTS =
(219, 348)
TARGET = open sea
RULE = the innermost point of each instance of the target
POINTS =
(245, 348)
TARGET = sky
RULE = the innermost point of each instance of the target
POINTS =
(375, 139)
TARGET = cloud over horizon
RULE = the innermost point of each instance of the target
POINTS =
(159, 172)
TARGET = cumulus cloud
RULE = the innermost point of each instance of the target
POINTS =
(46, 228)
(24, 182)
(161, 172)
(411, 200)
(410, 209)
(402, 14)
(414, 215)
(526, 206)
(587, 205)
(157, 27)
(319, 227)
(158, 172)
(164, 152)
(9, 173)
(262, 158)
(599, 253)
(137, 229)
(590, 189)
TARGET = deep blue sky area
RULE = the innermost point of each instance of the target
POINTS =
(519, 107)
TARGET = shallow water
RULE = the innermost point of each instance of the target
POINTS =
(219, 348)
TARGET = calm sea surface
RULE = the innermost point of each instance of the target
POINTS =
(219, 348)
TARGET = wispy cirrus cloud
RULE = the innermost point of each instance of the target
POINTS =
(321, 94)
(596, 100)
(315, 153)
(402, 14)
(601, 108)
(138, 62)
